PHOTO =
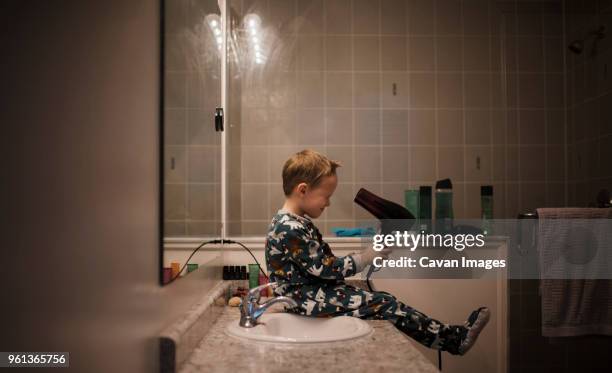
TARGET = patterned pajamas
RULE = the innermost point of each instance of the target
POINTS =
(307, 271)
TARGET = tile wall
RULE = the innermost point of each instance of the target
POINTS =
(403, 93)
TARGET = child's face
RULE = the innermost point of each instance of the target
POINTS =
(315, 200)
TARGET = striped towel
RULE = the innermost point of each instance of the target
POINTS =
(575, 266)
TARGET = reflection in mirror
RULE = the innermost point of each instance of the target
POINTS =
(192, 56)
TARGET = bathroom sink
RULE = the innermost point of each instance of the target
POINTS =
(291, 328)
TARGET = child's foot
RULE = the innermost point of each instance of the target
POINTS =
(475, 323)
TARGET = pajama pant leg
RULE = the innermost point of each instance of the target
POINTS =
(347, 300)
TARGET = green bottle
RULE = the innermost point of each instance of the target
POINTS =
(253, 276)
(486, 208)
(444, 206)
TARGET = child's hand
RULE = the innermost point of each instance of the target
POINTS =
(369, 254)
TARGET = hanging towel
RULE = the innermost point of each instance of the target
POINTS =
(352, 232)
(575, 254)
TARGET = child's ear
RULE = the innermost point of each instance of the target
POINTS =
(302, 188)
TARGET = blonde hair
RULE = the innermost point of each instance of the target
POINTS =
(307, 166)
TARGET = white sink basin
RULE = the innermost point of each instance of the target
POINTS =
(286, 327)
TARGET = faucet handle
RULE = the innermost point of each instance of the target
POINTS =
(254, 295)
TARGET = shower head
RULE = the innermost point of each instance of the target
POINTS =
(577, 46)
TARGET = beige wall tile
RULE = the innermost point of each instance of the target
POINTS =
(555, 163)
(477, 90)
(339, 88)
(476, 20)
(532, 127)
(310, 86)
(472, 201)
(395, 90)
(530, 54)
(366, 53)
(555, 127)
(477, 127)
(450, 127)
(512, 127)
(277, 198)
(282, 15)
(366, 16)
(367, 164)
(310, 52)
(310, 15)
(448, 17)
(310, 127)
(255, 164)
(450, 163)
(459, 200)
(255, 201)
(255, 127)
(341, 203)
(532, 163)
(282, 90)
(255, 228)
(530, 20)
(174, 228)
(422, 88)
(393, 17)
(367, 90)
(343, 154)
(202, 228)
(533, 196)
(421, 17)
(278, 157)
(513, 207)
(175, 201)
(394, 192)
(555, 195)
(421, 53)
(450, 90)
(175, 127)
(531, 90)
(394, 53)
(512, 163)
(175, 170)
(499, 201)
(422, 164)
(174, 90)
(367, 127)
(555, 95)
(554, 50)
(449, 53)
(203, 200)
(200, 128)
(338, 17)
(476, 53)
(395, 127)
(339, 52)
(498, 127)
(498, 155)
(339, 127)
(283, 123)
(422, 125)
(472, 172)
(203, 164)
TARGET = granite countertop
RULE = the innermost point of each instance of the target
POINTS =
(386, 349)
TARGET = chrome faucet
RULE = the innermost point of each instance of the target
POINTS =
(251, 310)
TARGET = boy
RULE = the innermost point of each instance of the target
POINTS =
(307, 270)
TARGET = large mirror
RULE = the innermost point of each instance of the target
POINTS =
(403, 93)
(192, 51)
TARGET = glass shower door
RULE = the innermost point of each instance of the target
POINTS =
(192, 136)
